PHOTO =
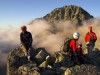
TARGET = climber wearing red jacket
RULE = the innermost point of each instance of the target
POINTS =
(73, 48)
(72, 44)
(90, 39)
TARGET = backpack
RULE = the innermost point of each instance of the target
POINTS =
(91, 38)
(65, 45)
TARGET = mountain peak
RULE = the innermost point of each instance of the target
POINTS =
(73, 13)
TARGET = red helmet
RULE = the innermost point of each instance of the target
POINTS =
(80, 44)
(23, 28)
(90, 28)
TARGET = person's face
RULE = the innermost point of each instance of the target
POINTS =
(89, 30)
(79, 46)
(77, 39)
(23, 31)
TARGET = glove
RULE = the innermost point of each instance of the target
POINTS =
(74, 53)
(87, 43)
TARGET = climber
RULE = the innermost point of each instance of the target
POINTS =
(80, 53)
(26, 41)
(79, 49)
(72, 46)
(90, 39)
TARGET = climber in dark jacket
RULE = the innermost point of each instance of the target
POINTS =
(26, 40)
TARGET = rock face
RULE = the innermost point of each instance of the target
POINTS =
(44, 63)
(73, 13)
(82, 70)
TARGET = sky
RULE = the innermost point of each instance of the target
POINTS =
(15, 13)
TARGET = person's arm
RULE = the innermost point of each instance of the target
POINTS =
(85, 38)
(21, 39)
(95, 37)
(74, 46)
(31, 40)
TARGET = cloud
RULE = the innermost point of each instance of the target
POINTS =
(52, 36)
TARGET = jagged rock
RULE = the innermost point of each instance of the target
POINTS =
(11, 61)
(16, 59)
(44, 64)
(50, 60)
(41, 56)
(82, 70)
(29, 69)
(96, 56)
(63, 59)
(48, 72)
(60, 70)
(57, 64)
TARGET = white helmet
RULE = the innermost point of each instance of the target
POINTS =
(76, 35)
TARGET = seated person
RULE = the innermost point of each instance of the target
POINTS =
(80, 53)
(79, 49)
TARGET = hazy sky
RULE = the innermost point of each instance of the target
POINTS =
(18, 12)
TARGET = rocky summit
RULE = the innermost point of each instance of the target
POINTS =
(44, 63)
(73, 13)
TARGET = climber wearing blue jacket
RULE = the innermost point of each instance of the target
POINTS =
(26, 40)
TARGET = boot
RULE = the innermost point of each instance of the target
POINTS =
(29, 60)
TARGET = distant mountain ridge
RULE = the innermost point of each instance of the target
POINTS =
(73, 13)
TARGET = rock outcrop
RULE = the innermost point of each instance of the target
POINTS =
(73, 13)
(44, 63)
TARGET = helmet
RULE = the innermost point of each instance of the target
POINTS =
(76, 35)
(90, 28)
(23, 28)
(80, 44)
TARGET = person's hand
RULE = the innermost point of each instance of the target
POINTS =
(87, 43)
